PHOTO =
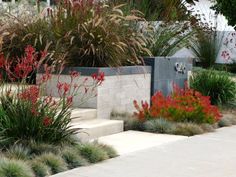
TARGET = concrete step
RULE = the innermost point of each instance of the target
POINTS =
(96, 128)
(79, 114)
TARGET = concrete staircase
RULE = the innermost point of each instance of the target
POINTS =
(92, 128)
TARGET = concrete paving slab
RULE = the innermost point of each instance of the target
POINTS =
(208, 155)
(132, 141)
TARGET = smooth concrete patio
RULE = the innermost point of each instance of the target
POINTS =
(208, 155)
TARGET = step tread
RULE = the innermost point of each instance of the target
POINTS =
(83, 110)
(90, 130)
(93, 123)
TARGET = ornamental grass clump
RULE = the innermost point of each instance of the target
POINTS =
(14, 168)
(81, 33)
(92, 152)
(159, 125)
(18, 152)
(183, 105)
(40, 169)
(187, 129)
(96, 34)
(53, 161)
(37, 148)
(111, 152)
(73, 158)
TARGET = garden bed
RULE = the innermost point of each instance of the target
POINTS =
(163, 126)
(40, 159)
(208, 103)
(36, 136)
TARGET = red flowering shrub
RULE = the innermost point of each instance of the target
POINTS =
(183, 105)
(25, 115)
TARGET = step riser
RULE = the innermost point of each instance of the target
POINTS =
(78, 116)
(89, 134)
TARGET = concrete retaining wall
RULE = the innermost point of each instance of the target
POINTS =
(121, 87)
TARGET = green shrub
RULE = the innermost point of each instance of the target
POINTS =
(14, 168)
(54, 162)
(40, 169)
(225, 7)
(92, 152)
(158, 125)
(187, 129)
(73, 158)
(216, 84)
(18, 152)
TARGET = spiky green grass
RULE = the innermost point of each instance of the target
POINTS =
(159, 125)
(73, 158)
(32, 159)
(225, 122)
(41, 148)
(54, 162)
(130, 122)
(92, 152)
(187, 129)
(208, 127)
(18, 152)
(111, 152)
(14, 168)
(40, 169)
